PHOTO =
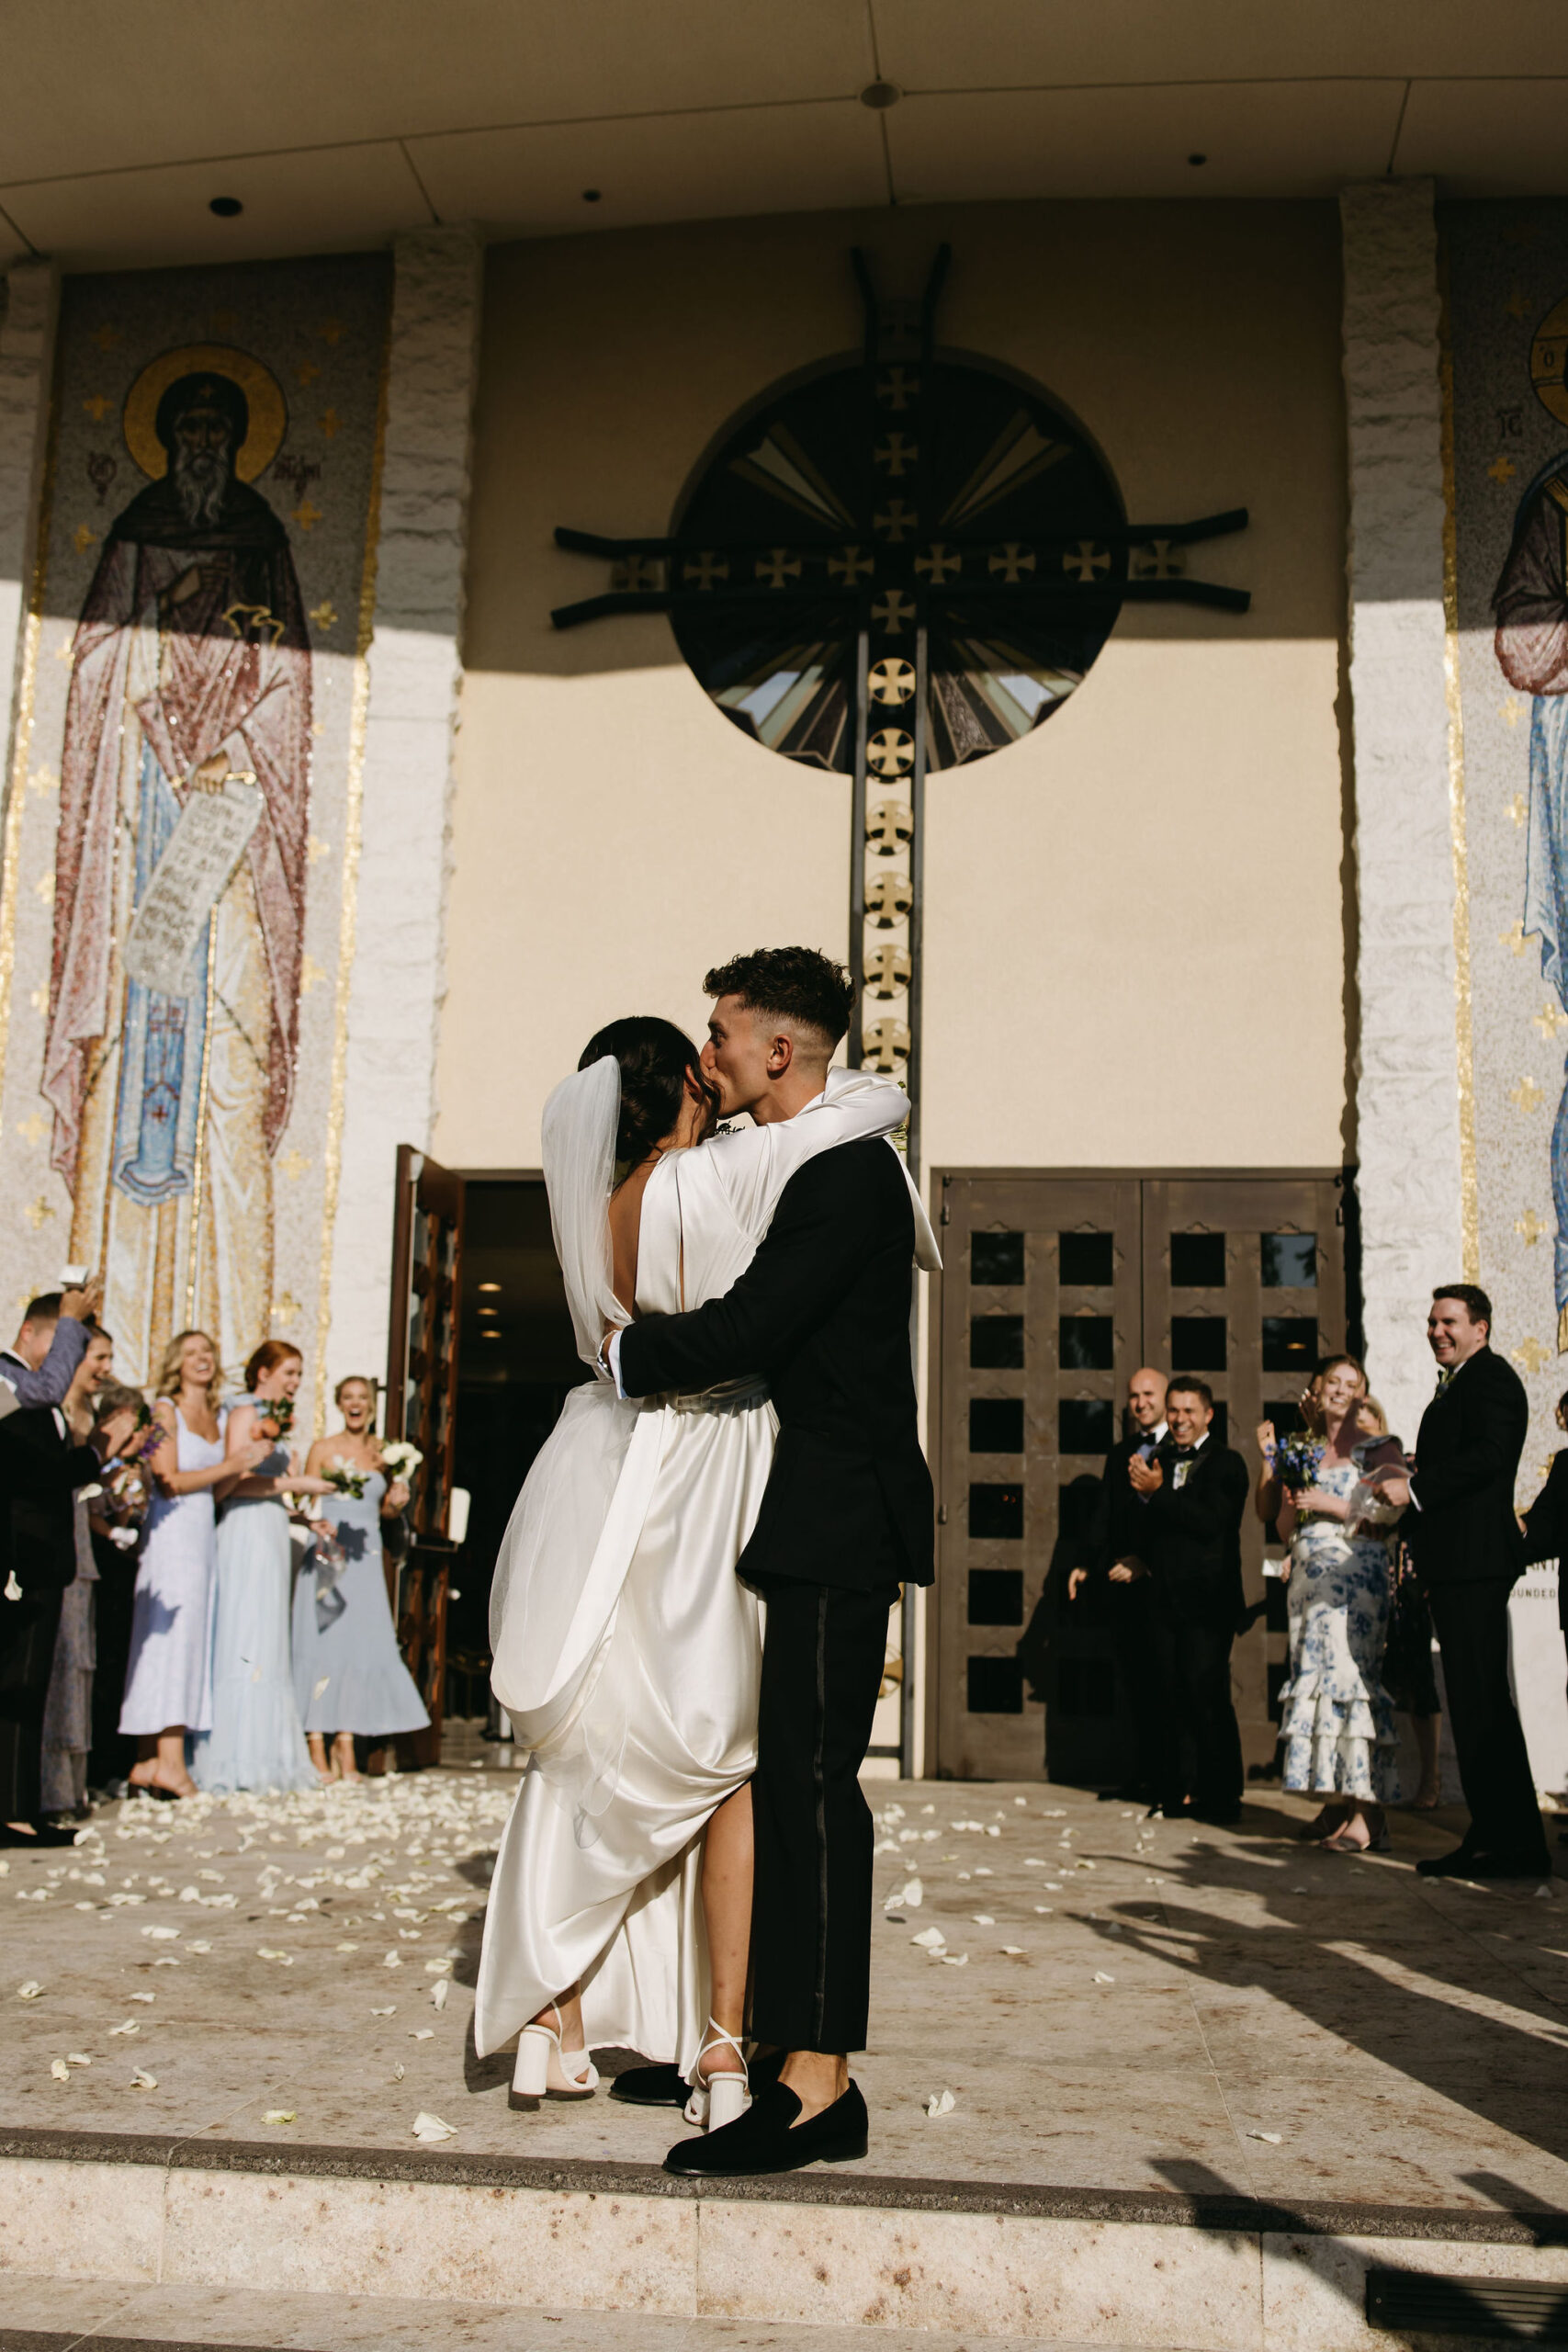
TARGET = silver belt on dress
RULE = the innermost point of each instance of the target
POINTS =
(730, 1396)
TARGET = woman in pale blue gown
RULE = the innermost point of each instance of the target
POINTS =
(256, 1741)
(348, 1674)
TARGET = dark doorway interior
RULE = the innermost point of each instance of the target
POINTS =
(517, 1362)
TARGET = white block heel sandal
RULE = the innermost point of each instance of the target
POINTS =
(718, 2100)
(544, 2070)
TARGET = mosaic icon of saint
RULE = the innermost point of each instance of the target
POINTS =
(190, 665)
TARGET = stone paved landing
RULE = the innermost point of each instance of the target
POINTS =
(1115, 2005)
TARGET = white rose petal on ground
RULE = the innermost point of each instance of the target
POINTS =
(930, 1940)
(1043, 1910)
(203, 1946)
(131, 2025)
(422, 2033)
(438, 1968)
(1012, 1950)
(1273, 2138)
(393, 1960)
(1100, 1977)
(77, 2058)
(398, 2072)
(29, 1991)
(279, 2115)
(345, 1946)
(60, 2070)
(430, 2127)
(438, 1993)
(956, 1960)
(142, 2081)
(941, 2103)
(984, 1919)
(161, 1935)
(141, 1996)
(386, 2013)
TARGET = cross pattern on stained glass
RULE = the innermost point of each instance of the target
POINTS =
(907, 530)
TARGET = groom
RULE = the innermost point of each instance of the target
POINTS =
(823, 1311)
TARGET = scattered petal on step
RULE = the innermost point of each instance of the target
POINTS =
(131, 2025)
(430, 2127)
(345, 1946)
(956, 1960)
(398, 2072)
(438, 1993)
(1100, 1977)
(932, 1939)
(142, 2081)
(29, 1991)
(161, 1935)
(1012, 1950)
(279, 2115)
(385, 2013)
(393, 1960)
(984, 1919)
(141, 1996)
(77, 2058)
(941, 2103)
(1045, 1909)
(1273, 2138)
(60, 2070)
(424, 2033)
(203, 1946)
(1543, 1894)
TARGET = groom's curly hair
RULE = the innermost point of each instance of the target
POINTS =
(794, 984)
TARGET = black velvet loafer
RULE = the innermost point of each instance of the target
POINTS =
(651, 2087)
(763, 2139)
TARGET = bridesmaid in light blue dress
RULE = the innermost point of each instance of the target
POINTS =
(255, 1741)
(349, 1676)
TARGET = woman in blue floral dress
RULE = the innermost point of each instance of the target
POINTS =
(1338, 1728)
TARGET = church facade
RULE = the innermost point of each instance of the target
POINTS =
(1130, 633)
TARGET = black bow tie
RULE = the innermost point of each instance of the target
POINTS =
(1182, 1453)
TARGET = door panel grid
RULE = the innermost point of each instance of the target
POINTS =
(1056, 1289)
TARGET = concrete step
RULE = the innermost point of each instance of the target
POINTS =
(59, 2315)
(824, 2257)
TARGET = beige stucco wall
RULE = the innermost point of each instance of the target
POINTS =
(1135, 931)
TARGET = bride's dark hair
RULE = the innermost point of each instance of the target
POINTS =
(654, 1056)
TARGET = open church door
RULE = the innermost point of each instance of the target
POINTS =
(422, 1402)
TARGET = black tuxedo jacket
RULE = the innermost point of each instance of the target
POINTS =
(1193, 1546)
(39, 1473)
(822, 1313)
(1119, 1530)
(1462, 1530)
(1546, 1527)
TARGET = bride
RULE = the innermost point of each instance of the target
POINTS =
(627, 1649)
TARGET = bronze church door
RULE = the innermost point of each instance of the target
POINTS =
(1057, 1288)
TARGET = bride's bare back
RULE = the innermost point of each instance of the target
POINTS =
(626, 1225)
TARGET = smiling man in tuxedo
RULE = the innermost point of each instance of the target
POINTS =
(1468, 1551)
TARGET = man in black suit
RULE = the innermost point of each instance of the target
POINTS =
(1467, 1550)
(1121, 1522)
(1196, 1491)
(39, 1472)
(847, 1516)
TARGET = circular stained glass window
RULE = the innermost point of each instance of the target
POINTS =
(938, 508)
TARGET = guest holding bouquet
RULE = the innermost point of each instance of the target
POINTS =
(348, 1675)
(116, 1516)
(1338, 1728)
(168, 1685)
(68, 1708)
(256, 1740)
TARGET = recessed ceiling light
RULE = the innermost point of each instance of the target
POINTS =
(490, 1311)
(880, 95)
(490, 1286)
(488, 1334)
(591, 195)
(226, 207)
(1197, 159)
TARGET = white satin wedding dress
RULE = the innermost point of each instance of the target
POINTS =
(627, 1649)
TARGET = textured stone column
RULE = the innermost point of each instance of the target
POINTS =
(1408, 1067)
(415, 672)
(26, 359)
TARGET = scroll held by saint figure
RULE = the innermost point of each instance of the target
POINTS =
(173, 1014)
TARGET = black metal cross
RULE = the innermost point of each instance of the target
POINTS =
(954, 558)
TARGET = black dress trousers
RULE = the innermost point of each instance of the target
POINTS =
(1200, 1743)
(1471, 1624)
(823, 1655)
(28, 1628)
